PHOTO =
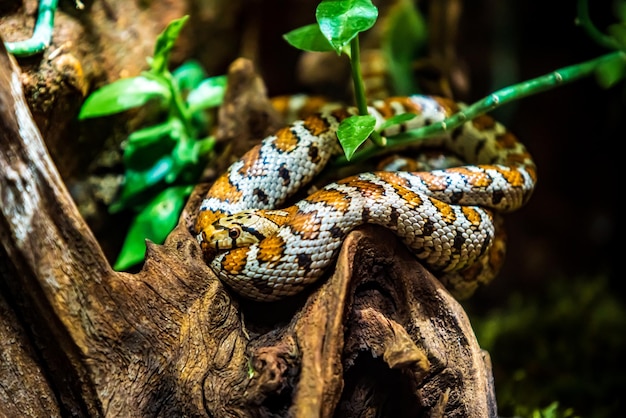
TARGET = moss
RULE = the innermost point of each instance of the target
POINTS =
(562, 343)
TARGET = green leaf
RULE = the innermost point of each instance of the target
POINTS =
(308, 38)
(146, 136)
(190, 157)
(185, 153)
(353, 131)
(139, 182)
(396, 120)
(122, 95)
(154, 222)
(209, 93)
(610, 72)
(189, 75)
(164, 44)
(205, 146)
(340, 21)
(403, 39)
(142, 155)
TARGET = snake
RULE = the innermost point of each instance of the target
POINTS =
(449, 217)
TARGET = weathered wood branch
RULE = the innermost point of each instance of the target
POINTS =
(379, 337)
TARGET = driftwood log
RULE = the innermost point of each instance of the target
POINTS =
(379, 337)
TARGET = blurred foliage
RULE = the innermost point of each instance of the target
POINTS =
(563, 342)
(403, 42)
(609, 73)
(164, 161)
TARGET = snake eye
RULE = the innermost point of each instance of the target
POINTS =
(233, 233)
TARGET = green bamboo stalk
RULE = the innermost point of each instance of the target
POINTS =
(42, 34)
(359, 88)
(501, 97)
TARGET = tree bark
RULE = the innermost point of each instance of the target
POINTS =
(379, 337)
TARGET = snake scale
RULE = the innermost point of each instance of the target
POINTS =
(449, 217)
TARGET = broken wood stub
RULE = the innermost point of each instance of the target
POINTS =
(408, 347)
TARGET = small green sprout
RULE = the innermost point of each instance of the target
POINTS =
(338, 26)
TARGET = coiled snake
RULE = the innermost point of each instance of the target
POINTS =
(448, 217)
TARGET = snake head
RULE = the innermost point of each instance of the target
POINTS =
(241, 229)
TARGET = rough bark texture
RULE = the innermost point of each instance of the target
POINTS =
(379, 337)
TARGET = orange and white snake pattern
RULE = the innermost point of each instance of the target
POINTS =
(449, 218)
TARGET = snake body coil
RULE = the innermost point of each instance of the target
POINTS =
(449, 218)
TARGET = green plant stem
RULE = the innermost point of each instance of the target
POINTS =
(42, 34)
(359, 88)
(180, 109)
(584, 20)
(494, 100)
